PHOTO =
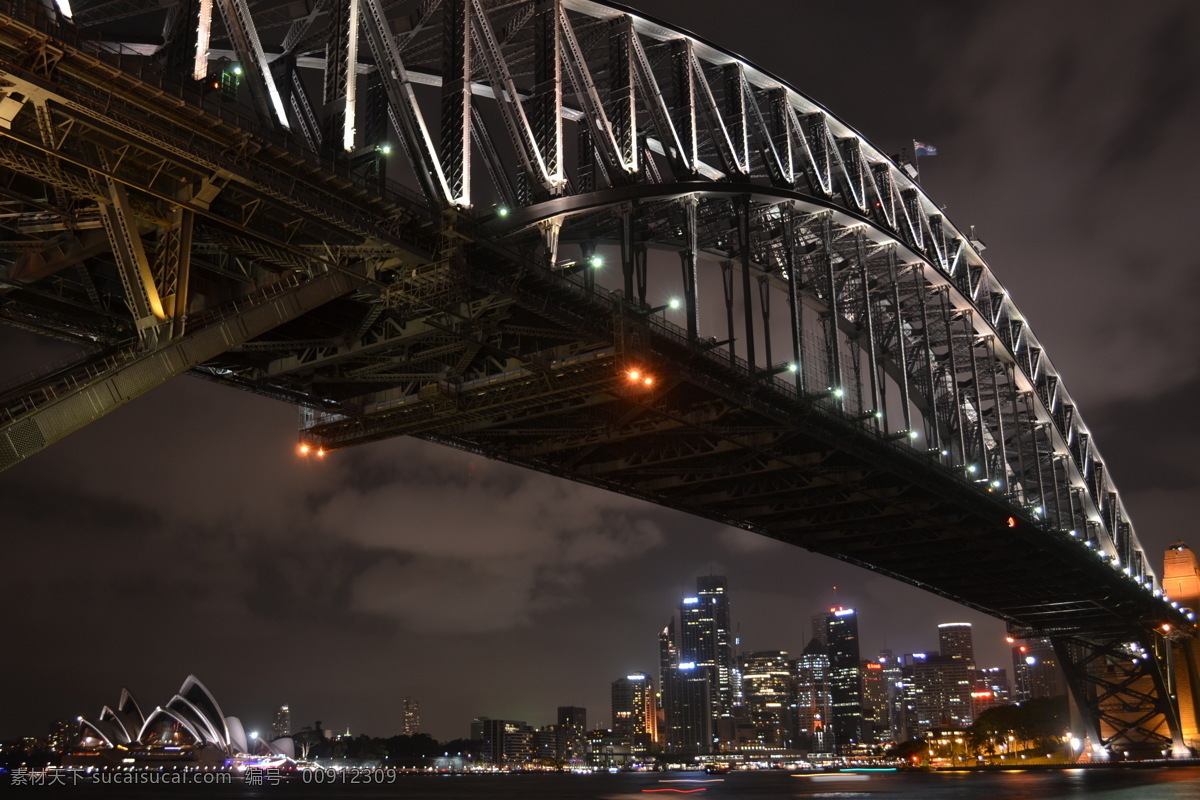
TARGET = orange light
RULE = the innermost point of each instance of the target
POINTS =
(304, 449)
(634, 374)
(1166, 627)
(649, 381)
(320, 452)
(1009, 639)
(1012, 522)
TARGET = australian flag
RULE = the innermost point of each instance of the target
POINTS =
(922, 149)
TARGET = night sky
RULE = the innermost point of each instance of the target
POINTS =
(182, 535)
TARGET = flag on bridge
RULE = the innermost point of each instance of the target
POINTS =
(922, 149)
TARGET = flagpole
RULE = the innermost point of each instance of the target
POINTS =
(916, 161)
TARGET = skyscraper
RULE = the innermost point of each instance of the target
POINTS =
(699, 649)
(769, 687)
(841, 634)
(687, 703)
(954, 640)
(814, 702)
(412, 716)
(281, 725)
(635, 719)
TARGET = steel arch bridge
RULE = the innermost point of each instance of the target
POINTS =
(564, 235)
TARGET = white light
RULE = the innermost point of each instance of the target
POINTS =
(349, 113)
(674, 303)
(793, 367)
(64, 7)
(688, 601)
(971, 468)
(203, 37)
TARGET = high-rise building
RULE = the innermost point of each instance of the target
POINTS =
(942, 687)
(412, 717)
(1035, 670)
(634, 712)
(700, 649)
(706, 640)
(769, 690)
(572, 733)
(991, 689)
(814, 700)
(281, 725)
(954, 640)
(505, 741)
(841, 634)
(876, 701)
(687, 703)
(893, 676)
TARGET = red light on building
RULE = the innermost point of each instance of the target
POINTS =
(874, 666)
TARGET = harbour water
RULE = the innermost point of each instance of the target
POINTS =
(1159, 783)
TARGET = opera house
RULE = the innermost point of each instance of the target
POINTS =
(190, 732)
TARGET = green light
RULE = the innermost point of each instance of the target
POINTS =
(384, 148)
(595, 261)
(237, 70)
(502, 211)
(838, 393)
(793, 367)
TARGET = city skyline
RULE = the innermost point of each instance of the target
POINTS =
(341, 587)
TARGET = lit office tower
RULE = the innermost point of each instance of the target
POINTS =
(281, 726)
(687, 704)
(634, 716)
(841, 634)
(876, 703)
(769, 689)
(814, 703)
(942, 692)
(412, 717)
(954, 640)
(705, 640)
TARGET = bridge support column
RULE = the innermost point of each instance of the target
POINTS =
(1121, 690)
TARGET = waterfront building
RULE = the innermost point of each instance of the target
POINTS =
(505, 742)
(572, 733)
(190, 730)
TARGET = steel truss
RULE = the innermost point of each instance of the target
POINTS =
(863, 387)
